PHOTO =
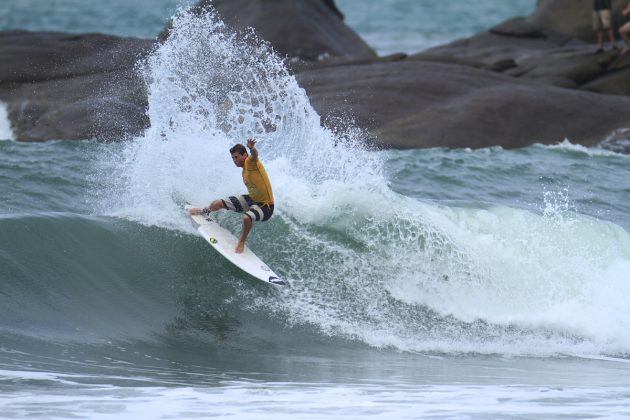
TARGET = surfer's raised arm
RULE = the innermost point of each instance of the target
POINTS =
(253, 152)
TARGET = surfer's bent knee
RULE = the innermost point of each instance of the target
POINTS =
(260, 212)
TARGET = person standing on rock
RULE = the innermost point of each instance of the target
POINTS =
(624, 31)
(602, 21)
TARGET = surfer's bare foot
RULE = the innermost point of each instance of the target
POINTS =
(240, 247)
(194, 210)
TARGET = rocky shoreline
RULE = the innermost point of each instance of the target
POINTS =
(530, 79)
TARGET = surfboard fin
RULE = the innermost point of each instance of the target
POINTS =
(276, 280)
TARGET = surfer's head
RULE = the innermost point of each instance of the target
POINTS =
(239, 154)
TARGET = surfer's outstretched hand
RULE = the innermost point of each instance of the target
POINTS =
(194, 210)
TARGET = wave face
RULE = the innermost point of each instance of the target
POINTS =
(365, 263)
(80, 278)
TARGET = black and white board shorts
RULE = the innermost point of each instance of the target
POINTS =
(244, 204)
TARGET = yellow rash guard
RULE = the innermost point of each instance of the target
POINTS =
(257, 182)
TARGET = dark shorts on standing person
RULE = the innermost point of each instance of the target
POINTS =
(258, 212)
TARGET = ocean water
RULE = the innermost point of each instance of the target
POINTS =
(410, 26)
(434, 283)
(389, 26)
(138, 18)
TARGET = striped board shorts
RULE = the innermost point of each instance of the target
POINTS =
(244, 204)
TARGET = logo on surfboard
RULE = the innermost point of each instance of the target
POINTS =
(213, 240)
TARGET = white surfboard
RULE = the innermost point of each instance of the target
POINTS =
(224, 242)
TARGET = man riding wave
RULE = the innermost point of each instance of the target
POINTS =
(257, 205)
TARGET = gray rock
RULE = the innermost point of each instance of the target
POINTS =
(72, 86)
(104, 106)
(411, 104)
(524, 50)
(306, 29)
(513, 40)
(572, 17)
(618, 82)
(40, 56)
(564, 68)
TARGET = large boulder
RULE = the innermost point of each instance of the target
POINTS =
(40, 56)
(572, 17)
(72, 86)
(106, 106)
(528, 51)
(514, 40)
(299, 29)
(414, 104)
(617, 79)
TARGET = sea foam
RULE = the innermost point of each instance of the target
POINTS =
(6, 133)
(209, 88)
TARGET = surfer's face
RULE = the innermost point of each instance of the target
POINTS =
(238, 159)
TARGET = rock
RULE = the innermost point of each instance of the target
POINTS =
(572, 17)
(415, 104)
(333, 7)
(487, 49)
(104, 106)
(616, 80)
(573, 66)
(521, 49)
(502, 65)
(72, 86)
(299, 29)
(40, 56)
(301, 66)
(520, 28)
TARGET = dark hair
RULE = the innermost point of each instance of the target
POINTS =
(238, 148)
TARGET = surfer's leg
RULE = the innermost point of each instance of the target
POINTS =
(624, 31)
(240, 204)
(247, 226)
(237, 203)
(260, 212)
(255, 212)
(217, 204)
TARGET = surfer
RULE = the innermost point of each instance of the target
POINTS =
(258, 203)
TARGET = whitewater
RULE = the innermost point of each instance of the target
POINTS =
(495, 278)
